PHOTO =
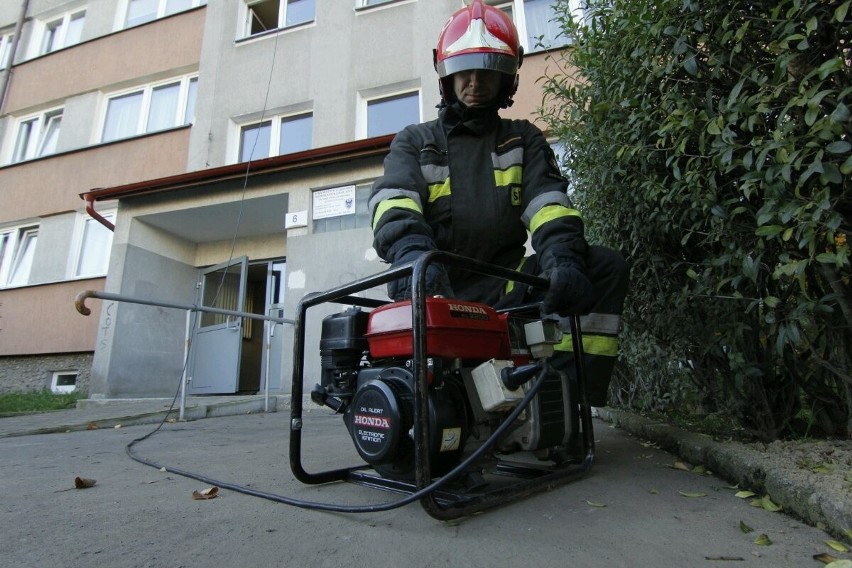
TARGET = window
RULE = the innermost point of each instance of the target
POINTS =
(63, 382)
(391, 114)
(5, 49)
(62, 32)
(37, 136)
(17, 247)
(275, 137)
(265, 15)
(149, 109)
(142, 11)
(533, 18)
(95, 243)
(541, 31)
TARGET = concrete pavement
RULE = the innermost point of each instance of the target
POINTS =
(828, 508)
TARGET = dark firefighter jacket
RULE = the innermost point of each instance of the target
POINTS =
(475, 184)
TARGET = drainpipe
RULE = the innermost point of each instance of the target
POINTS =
(7, 72)
(90, 209)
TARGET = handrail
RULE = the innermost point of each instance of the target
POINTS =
(80, 304)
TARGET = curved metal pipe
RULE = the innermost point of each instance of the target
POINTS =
(90, 209)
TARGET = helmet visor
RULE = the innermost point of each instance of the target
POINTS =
(467, 61)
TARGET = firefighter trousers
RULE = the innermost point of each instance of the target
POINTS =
(608, 273)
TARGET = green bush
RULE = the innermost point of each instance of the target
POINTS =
(710, 143)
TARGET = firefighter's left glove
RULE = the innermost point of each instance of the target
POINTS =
(570, 291)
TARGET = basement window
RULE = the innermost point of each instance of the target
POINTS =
(63, 382)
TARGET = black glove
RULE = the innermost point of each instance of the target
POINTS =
(570, 291)
(437, 281)
(437, 284)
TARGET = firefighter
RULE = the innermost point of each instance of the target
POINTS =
(478, 185)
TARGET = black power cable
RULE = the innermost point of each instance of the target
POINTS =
(416, 496)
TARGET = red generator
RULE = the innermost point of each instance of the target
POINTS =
(447, 400)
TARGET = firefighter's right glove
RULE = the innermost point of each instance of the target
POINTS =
(437, 284)
(410, 249)
(570, 291)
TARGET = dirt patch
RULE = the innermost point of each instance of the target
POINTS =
(826, 462)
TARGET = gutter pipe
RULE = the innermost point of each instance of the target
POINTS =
(90, 209)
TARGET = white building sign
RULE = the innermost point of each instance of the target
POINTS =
(334, 202)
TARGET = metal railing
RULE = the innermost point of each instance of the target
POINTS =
(80, 305)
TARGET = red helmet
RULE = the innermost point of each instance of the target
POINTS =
(479, 36)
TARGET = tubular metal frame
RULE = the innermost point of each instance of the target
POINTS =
(443, 504)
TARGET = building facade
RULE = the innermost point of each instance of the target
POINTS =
(184, 152)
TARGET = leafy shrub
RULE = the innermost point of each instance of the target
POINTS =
(710, 142)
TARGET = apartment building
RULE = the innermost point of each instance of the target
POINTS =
(187, 152)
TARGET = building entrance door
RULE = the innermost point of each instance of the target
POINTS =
(217, 339)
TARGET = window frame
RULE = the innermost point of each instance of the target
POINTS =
(6, 49)
(60, 41)
(56, 388)
(79, 240)
(246, 13)
(519, 16)
(12, 253)
(36, 138)
(364, 101)
(161, 12)
(363, 4)
(147, 91)
(275, 128)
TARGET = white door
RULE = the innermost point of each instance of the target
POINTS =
(217, 339)
(275, 331)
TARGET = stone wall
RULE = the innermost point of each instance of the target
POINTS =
(35, 372)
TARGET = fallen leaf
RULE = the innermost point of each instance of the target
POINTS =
(594, 504)
(848, 532)
(209, 493)
(745, 528)
(823, 468)
(744, 494)
(83, 483)
(838, 546)
(91, 426)
(762, 540)
(653, 492)
(756, 503)
(692, 494)
(825, 558)
(681, 466)
(699, 469)
(768, 505)
(163, 469)
(839, 564)
(117, 426)
(171, 420)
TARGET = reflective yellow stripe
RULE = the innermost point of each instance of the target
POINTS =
(592, 344)
(437, 190)
(549, 213)
(388, 204)
(511, 176)
(510, 285)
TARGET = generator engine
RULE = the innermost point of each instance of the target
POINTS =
(478, 366)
